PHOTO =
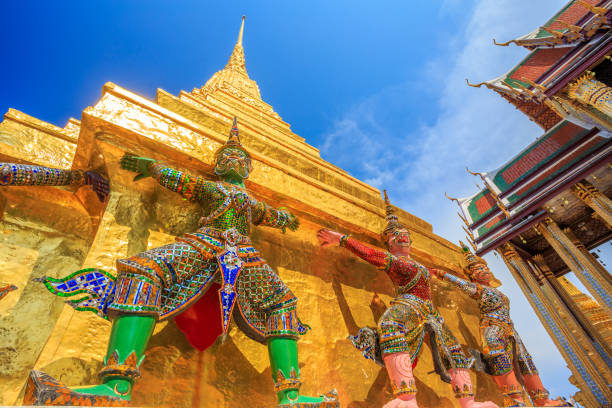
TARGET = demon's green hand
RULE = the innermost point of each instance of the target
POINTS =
(293, 223)
(288, 220)
(140, 165)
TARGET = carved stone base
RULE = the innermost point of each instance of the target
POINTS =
(42, 389)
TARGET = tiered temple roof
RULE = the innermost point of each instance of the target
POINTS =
(514, 192)
(570, 149)
(548, 206)
(558, 51)
(579, 20)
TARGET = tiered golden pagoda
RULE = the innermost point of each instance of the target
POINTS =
(52, 231)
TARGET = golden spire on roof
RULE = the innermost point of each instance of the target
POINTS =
(239, 42)
(234, 80)
(236, 61)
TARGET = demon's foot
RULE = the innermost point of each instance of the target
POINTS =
(552, 403)
(292, 400)
(398, 403)
(42, 389)
(470, 403)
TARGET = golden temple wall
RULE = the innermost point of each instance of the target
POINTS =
(53, 232)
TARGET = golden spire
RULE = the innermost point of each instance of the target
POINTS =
(236, 61)
(239, 42)
(475, 173)
(234, 80)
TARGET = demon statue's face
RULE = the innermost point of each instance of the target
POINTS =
(233, 162)
(480, 273)
(398, 238)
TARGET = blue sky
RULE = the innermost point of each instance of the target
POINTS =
(378, 87)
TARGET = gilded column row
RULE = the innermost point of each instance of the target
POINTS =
(586, 271)
(602, 271)
(592, 197)
(597, 392)
(586, 334)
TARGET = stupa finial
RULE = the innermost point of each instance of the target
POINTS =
(236, 61)
(241, 32)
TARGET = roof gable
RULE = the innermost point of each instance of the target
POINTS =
(536, 155)
(534, 66)
(572, 13)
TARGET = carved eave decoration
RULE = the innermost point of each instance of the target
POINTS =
(532, 101)
(570, 33)
(524, 94)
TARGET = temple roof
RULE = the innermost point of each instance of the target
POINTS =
(538, 171)
(548, 68)
(578, 21)
(517, 92)
(526, 75)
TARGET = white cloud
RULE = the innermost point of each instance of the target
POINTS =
(474, 128)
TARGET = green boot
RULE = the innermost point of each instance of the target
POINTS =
(286, 376)
(128, 341)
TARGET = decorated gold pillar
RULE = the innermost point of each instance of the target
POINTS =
(592, 197)
(588, 273)
(584, 330)
(602, 270)
(596, 391)
(589, 91)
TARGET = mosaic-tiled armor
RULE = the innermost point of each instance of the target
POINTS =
(403, 325)
(502, 349)
(497, 332)
(163, 282)
(398, 339)
(13, 174)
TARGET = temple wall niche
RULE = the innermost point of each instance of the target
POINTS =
(337, 292)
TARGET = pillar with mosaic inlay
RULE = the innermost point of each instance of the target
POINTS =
(584, 371)
(585, 270)
(602, 270)
(592, 197)
(584, 330)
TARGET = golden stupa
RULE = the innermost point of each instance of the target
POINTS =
(54, 231)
